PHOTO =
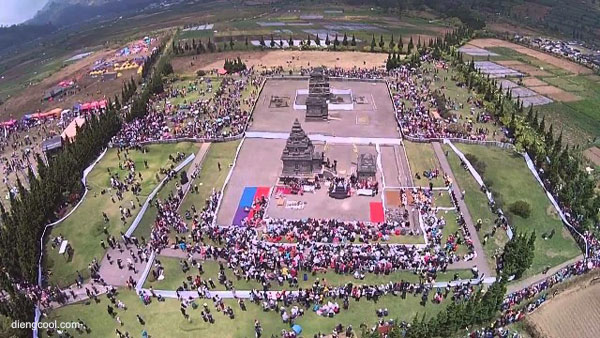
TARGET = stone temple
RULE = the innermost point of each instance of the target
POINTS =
(318, 84)
(366, 166)
(317, 108)
(299, 156)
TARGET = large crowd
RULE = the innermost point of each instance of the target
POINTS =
(277, 252)
(221, 116)
(415, 101)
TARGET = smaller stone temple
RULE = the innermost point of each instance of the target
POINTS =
(316, 108)
(299, 156)
(366, 167)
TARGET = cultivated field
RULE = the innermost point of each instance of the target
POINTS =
(574, 313)
(572, 87)
(553, 60)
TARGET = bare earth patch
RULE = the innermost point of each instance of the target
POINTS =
(504, 27)
(593, 154)
(533, 82)
(572, 314)
(28, 100)
(277, 58)
(556, 93)
(550, 59)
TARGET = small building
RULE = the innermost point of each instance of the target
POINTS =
(366, 166)
(299, 156)
(52, 146)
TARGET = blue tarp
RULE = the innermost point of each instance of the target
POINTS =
(247, 197)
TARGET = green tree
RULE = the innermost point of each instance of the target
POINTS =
(373, 43)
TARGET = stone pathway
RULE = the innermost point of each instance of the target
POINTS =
(480, 261)
(328, 138)
(111, 273)
(512, 287)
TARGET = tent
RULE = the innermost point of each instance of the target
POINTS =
(222, 71)
(51, 113)
(9, 123)
(297, 329)
(71, 130)
(85, 106)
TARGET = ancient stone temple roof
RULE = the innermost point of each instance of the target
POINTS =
(318, 83)
(298, 145)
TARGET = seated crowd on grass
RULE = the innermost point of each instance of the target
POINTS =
(224, 115)
(419, 112)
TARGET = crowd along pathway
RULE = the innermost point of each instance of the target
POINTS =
(480, 261)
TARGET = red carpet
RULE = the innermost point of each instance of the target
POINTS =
(262, 191)
(377, 215)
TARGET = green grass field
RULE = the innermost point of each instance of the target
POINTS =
(478, 207)
(145, 226)
(174, 277)
(508, 176)
(163, 319)
(195, 95)
(450, 229)
(84, 228)
(210, 177)
(422, 158)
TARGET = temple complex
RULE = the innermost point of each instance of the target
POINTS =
(299, 156)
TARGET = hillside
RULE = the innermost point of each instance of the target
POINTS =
(66, 12)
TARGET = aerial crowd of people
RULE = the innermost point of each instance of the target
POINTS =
(276, 254)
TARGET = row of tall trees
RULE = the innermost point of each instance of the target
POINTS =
(234, 66)
(139, 105)
(480, 307)
(196, 47)
(56, 183)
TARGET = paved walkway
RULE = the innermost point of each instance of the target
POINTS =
(539, 277)
(197, 163)
(245, 294)
(111, 273)
(80, 293)
(405, 175)
(480, 260)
